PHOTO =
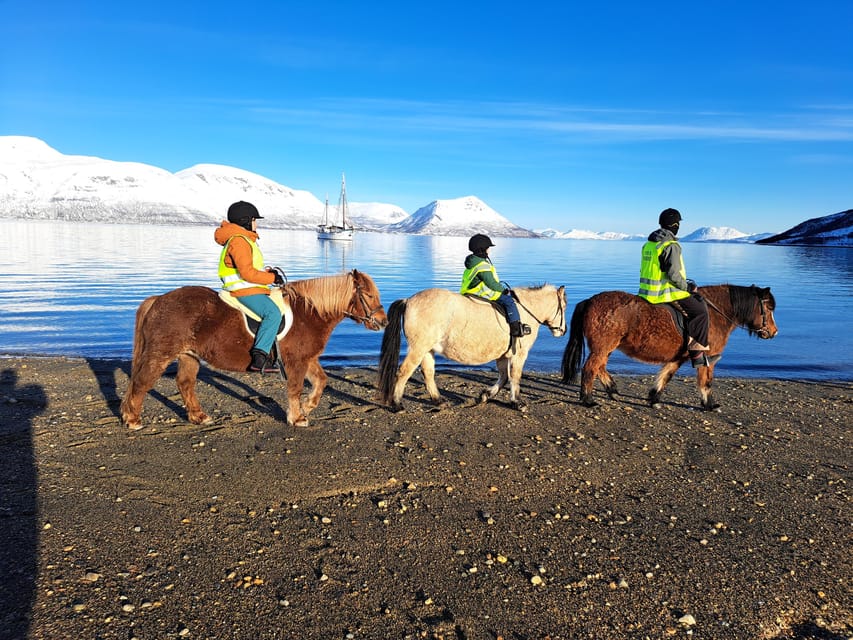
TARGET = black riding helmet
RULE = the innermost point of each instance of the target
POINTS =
(479, 243)
(243, 213)
(670, 219)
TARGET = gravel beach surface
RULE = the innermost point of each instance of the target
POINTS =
(472, 522)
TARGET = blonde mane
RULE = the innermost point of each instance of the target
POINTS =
(328, 296)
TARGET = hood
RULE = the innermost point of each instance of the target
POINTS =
(228, 230)
(471, 260)
(661, 235)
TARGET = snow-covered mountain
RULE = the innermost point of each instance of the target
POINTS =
(38, 182)
(722, 234)
(835, 230)
(375, 216)
(458, 217)
(581, 234)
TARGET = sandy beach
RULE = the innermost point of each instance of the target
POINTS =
(476, 521)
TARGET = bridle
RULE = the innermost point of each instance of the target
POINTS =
(548, 323)
(762, 331)
(366, 310)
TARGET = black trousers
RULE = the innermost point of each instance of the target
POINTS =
(697, 317)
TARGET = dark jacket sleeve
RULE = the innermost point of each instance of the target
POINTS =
(670, 264)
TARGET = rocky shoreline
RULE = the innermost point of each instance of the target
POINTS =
(472, 522)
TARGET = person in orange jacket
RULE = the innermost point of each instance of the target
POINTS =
(242, 271)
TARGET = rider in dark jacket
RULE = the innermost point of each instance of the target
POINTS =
(664, 280)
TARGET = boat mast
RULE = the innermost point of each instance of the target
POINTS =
(342, 203)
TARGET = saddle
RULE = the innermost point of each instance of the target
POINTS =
(253, 321)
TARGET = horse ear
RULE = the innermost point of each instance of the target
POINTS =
(562, 289)
(354, 273)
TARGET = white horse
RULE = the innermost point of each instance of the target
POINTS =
(466, 329)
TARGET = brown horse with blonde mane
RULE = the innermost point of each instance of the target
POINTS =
(192, 324)
(617, 320)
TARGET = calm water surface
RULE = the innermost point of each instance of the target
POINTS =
(72, 288)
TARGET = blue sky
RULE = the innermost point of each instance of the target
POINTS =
(556, 114)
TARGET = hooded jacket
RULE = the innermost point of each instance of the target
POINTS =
(238, 255)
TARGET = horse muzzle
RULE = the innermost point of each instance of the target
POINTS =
(766, 334)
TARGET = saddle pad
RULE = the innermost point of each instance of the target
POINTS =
(497, 306)
(276, 296)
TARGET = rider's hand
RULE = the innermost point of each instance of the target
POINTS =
(278, 280)
(691, 286)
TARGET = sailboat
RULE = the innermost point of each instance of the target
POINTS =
(333, 231)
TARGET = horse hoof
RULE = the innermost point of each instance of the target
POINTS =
(202, 419)
(484, 398)
(520, 406)
(587, 401)
(133, 426)
(302, 422)
(396, 407)
(656, 405)
(713, 407)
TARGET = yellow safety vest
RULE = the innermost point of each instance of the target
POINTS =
(231, 280)
(480, 289)
(654, 285)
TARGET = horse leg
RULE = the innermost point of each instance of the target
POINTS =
(664, 376)
(592, 368)
(144, 374)
(407, 368)
(704, 377)
(503, 377)
(428, 369)
(188, 366)
(296, 372)
(317, 379)
(515, 370)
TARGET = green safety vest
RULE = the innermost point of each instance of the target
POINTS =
(231, 280)
(654, 285)
(479, 289)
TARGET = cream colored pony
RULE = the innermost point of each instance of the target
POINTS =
(465, 329)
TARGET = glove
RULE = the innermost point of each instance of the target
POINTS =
(278, 276)
(691, 286)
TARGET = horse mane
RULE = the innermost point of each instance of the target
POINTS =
(328, 296)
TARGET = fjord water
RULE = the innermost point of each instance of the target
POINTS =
(73, 288)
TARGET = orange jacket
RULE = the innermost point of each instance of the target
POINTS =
(239, 256)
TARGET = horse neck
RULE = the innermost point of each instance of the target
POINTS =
(720, 296)
(537, 300)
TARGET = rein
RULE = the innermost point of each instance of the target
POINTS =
(368, 312)
(547, 323)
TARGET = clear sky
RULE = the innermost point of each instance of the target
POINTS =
(563, 114)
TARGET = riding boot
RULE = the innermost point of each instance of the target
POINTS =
(261, 361)
(517, 329)
(702, 359)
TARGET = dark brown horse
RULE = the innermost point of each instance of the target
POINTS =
(192, 324)
(617, 320)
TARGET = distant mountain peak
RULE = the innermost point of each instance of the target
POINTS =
(459, 217)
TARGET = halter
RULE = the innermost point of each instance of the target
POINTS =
(762, 331)
(547, 323)
(368, 312)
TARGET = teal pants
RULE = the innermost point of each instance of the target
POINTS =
(270, 316)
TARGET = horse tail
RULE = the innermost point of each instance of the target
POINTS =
(573, 355)
(389, 356)
(138, 333)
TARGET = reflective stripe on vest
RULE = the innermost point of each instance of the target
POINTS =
(479, 289)
(231, 280)
(654, 285)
